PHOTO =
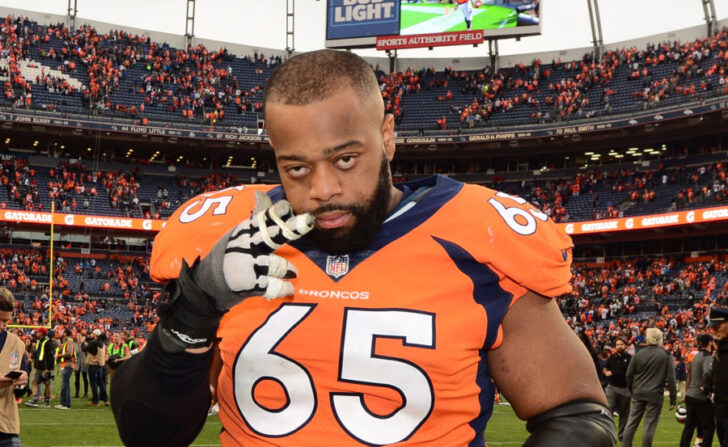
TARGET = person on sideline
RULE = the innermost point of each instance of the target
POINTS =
(697, 399)
(13, 373)
(719, 373)
(617, 392)
(649, 371)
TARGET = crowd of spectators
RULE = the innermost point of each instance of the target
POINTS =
(22, 187)
(191, 187)
(194, 82)
(199, 83)
(611, 190)
(622, 298)
(705, 185)
(688, 77)
(73, 185)
(14, 47)
(618, 298)
(568, 83)
(71, 182)
(119, 293)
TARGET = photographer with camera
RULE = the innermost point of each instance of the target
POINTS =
(95, 350)
(43, 364)
(118, 353)
(13, 373)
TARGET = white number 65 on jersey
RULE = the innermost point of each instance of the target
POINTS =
(257, 361)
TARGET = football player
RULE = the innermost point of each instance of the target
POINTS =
(347, 310)
(466, 7)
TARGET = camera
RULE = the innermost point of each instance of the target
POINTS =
(113, 361)
(46, 376)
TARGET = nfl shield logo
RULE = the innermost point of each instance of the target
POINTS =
(337, 266)
(14, 361)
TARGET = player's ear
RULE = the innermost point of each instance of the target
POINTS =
(388, 136)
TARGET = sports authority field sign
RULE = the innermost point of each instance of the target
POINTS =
(430, 40)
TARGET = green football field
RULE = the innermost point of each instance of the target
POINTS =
(437, 18)
(94, 426)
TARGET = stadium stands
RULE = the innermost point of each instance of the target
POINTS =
(122, 75)
(124, 281)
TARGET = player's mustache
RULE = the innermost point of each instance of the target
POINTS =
(353, 208)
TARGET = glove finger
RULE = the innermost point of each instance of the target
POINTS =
(275, 236)
(279, 225)
(277, 288)
(262, 202)
(276, 266)
(281, 210)
(301, 223)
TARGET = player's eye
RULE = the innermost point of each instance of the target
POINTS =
(346, 162)
(297, 171)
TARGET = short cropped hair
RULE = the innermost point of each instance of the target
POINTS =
(315, 76)
(7, 300)
(653, 336)
(704, 340)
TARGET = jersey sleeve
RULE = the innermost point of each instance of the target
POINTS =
(197, 225)
(525, 246)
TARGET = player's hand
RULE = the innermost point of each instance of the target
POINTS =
(249, 265)
(455, 7)
(5, 382)
(21, 381)
(244, 257)
(240, 265)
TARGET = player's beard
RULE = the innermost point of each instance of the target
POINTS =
(368, 218)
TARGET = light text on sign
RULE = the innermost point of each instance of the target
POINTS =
(362, 10)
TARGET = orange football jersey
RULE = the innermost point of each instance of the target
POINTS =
(386, 346)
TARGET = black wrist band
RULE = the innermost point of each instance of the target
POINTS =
(188, 317)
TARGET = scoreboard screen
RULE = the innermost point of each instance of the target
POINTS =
(358, 23)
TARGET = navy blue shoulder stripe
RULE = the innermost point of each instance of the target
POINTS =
(486, 289)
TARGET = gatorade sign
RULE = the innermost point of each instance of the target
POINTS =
(81, 220)
(650, 221)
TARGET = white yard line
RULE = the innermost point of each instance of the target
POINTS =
(505, 22)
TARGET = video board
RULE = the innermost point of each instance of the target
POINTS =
(387, 24)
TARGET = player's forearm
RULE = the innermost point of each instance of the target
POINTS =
(159, 397)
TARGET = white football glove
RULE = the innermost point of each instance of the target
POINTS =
(252, 244)
(242, 263)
